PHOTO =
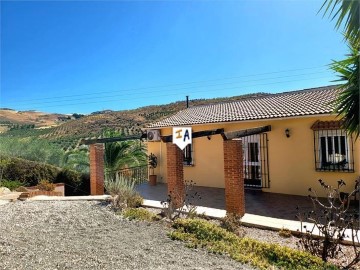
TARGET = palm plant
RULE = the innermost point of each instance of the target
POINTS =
(78, 160)
(347, 103)
(123, 154)
(347, 13)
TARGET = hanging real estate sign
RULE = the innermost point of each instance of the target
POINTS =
(182, 136)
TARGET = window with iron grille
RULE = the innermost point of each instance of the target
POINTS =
(333, 150)
(188, 155)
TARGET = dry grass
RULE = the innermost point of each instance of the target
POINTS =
(39, 119)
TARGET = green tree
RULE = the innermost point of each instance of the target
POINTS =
(4, 162)
(346, 13)
(30, 148)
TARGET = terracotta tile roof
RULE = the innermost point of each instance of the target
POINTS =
(289, 104)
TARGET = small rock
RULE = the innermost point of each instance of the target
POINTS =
(4, 190)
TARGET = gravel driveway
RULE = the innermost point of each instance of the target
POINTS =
(85, 235)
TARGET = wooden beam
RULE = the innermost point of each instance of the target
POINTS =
(198, 134)
(112, 139)
(246, 132)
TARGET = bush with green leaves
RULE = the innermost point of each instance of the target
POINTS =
(75, 183)
(12, 185)
(135, 200)
(201, 233)
(152, 161)
(232, 223)
(122, 191)
(139, 214)
(29, 173)
(4, 162)
(204, 230)
(286, 233)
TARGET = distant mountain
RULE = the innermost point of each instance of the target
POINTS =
(69, 130)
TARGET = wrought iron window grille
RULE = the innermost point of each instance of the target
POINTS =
(188, 155)
(333, 149)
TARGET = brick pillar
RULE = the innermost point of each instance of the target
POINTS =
(175, 172)
(234, 179)
(97, 169)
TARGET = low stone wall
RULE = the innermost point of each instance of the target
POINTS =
(44, 192)
(59, 191)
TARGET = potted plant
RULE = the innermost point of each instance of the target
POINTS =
(152, 165)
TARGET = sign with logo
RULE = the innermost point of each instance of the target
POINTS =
(182, 136)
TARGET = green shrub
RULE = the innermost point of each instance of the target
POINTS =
(232, 223)
(73, 177)
(12, 185)
(29, 173)
(201, 233)
(119, 185)
(4, 162)
(135, 201)
(123, 192)
(204, 230)
(75, 183)
(139, 214)
(286, 233)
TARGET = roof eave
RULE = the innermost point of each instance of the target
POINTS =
(247, 120)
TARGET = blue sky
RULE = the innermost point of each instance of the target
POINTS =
(85, 56)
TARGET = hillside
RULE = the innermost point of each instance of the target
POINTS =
(10, 118)
(68, 132)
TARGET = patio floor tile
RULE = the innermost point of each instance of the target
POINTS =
(256, 202)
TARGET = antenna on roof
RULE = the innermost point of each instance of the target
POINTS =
(187, 101)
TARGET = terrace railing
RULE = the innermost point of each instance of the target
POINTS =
(137, 174)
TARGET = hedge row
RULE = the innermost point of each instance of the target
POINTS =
(31, 172)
